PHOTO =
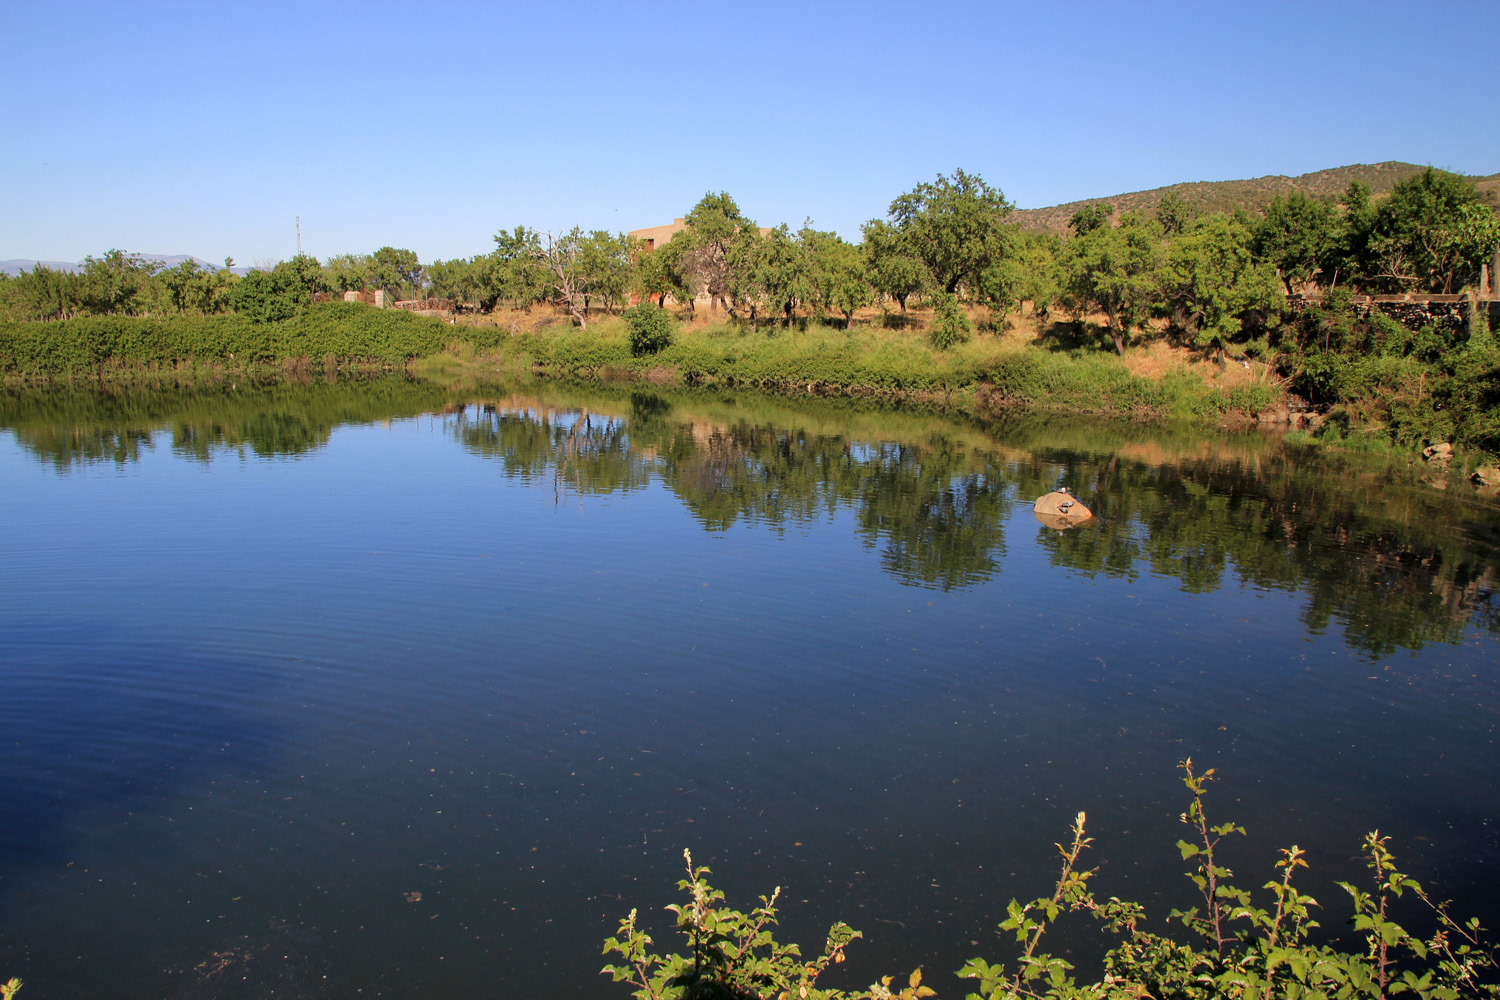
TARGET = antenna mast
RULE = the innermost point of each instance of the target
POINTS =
(299, 236)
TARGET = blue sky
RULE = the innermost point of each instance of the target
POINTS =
(208, 128)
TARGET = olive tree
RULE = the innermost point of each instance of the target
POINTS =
(1213, 281)
(713, 248)
(1299, 236)
(956, 226)
(396, 269)
(893, 268)
(838, 273)
(1431, 234)
(1114, 269)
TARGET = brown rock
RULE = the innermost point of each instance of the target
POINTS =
(1276, 415)
(1060, 510)
(1438, 454)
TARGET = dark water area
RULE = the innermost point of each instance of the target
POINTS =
(372, 689)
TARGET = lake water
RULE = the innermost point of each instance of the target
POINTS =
(380, 689)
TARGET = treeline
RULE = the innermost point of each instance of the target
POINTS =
(1220, 278)
(121, 284)
(1217, 281)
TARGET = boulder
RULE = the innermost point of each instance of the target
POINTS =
(1060, 509)
(1487, 475)
(1438, 454)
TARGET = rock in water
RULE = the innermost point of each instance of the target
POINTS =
(1061, 510)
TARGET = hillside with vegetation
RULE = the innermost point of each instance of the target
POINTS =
(1251, 195)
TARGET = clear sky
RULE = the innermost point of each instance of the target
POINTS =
(208, 128)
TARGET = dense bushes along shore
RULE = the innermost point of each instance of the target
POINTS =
(347, 333)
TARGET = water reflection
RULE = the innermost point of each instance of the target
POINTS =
(1397, 568)
(1396, 565)
(573, 449)
(1393, 564)
(72, 428)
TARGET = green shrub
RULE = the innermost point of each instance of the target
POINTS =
(650, 328)
(349, 332)
(268, 296)
(733, 955)
(950, 324)
(1019, 378)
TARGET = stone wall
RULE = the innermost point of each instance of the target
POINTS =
(1449, 312)
(1446, 312)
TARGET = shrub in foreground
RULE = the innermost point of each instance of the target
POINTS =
(1230, 946)
(650, 328)
(950, 323)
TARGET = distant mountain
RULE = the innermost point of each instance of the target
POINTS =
(14, 267)
(17, 266)
(1251, 195)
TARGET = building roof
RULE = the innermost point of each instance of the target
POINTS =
(656, 235)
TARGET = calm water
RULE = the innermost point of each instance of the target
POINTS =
(385, 689)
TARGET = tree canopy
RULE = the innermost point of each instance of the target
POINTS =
(956, 226)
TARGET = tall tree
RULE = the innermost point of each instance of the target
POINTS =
(188, 286)
(1431, 234)
(780, 272)
(306, 273)
(715, 230)
(1174, 214)
(561, 257)
(838, 273)
(452, 281)
(1114, 269)
(1213, 280)
(655, 274)
(396, 269)
(1032, 274)
(516, 267)
(1090, 217)
(348, 272)
(894, 269)
(605, 260)
(1299, 236)
(45, 293)
(117, 283)
(269, 296)
(956, 226)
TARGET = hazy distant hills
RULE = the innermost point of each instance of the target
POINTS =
(170, 260)
(1251, 195)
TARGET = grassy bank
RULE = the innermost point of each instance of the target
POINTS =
(987, 374)
(1014, 365)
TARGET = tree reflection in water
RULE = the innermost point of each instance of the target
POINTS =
(1394, 564)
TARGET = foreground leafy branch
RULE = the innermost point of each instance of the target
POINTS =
(734, 955)
(1234, 947)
